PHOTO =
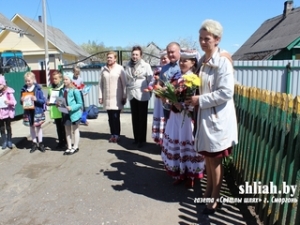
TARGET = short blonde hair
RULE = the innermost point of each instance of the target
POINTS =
(213, 27)
(30, 75)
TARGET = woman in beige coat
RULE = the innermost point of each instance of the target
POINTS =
(112, 93)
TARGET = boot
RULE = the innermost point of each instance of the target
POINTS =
(4, 141)
(33, 147)
(42, 147)
(9, 142)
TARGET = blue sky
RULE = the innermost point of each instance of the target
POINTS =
(126, 23)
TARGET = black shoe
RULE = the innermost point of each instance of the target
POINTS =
(42, 147)
(73, 151)
(134, 142)
(67, 152)
(33, 147)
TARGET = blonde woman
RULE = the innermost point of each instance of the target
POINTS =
(216, 124)
(112, 93)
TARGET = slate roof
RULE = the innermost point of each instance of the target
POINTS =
(4, 22)
(55, 37)
(271, 37)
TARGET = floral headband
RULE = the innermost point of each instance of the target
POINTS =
(189, 54)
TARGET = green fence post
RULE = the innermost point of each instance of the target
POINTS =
(290, 212)
(252, 152)
(243, 136)
(280, 159)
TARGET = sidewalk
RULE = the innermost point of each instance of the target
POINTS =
(117, 173)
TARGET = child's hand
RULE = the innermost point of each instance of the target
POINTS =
(22, 99)
(33, 98)
(6, 102)
(69, 108)
(48, 103)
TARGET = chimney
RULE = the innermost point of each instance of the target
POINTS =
(40, 19)
(288, 7)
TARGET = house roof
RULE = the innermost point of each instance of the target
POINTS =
(6, 23)
(153, 44)
(55, 37)
(271, 37)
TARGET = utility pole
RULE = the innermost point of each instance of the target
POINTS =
(47, 69)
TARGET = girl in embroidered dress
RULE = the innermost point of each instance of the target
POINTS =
(7, 112)
(180, 159)
(159, 123)
(74, 106)
(33, 101)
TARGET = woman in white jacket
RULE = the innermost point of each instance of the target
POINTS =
(216, 122)
(138, 76)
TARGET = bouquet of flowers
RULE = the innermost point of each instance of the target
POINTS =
(154, 81)
(179, 90)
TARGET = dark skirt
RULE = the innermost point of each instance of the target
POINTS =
(67, 121)
(220, 154)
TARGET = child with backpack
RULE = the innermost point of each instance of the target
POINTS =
(56, 86)
(7, 112)
(71, 119)
(33, 101)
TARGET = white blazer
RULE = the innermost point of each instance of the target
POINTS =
(137, 82)
(216, 121)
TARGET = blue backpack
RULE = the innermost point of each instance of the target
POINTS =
(92, 112)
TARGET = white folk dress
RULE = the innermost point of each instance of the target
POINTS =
(178, 154)
(158, 123)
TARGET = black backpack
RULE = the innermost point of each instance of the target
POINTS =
(92, 112)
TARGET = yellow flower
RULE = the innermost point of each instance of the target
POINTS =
(188, 83)
(193, 78)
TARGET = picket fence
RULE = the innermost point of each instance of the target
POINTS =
(269, 149)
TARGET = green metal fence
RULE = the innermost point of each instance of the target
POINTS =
(269, 150)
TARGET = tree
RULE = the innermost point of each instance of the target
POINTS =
(188, 43)
(93, 48)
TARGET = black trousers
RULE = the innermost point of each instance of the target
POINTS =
(114, 121)
(139, 115)
(5, 123)
(60, 129)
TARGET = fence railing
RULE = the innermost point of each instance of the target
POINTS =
(275, 75)
(268, 153)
